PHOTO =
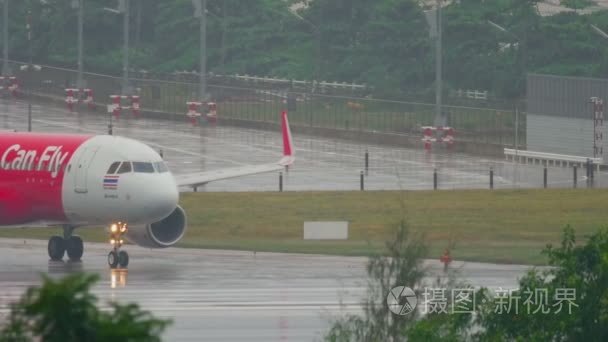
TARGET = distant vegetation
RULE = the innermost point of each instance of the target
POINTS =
(383, 43)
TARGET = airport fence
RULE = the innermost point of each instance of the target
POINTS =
(475, 126)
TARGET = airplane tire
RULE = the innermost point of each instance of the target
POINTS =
(74, 248)
(123, 259)
(56, 247)
(113, 259)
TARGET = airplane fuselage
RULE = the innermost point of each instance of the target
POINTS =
(82, 180)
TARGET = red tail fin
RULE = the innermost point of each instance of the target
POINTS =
(288, 148)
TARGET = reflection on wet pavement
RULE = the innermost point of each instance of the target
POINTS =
(227, 295)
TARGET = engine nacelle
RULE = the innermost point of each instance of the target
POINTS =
(162, 234)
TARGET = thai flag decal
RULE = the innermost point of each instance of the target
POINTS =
(110, 182)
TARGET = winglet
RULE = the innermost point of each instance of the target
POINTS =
(288, 148)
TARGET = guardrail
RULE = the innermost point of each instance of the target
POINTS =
(554, 158)
(321, 84)
(472, 94)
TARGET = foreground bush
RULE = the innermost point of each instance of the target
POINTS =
(65, 310)
(566, 302)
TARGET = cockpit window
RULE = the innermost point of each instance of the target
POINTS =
(125, 167)
(113, 168)
(161, 167)
(143, 167)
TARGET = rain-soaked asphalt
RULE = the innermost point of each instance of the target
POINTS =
(321, 164)
(214, 295)
(235, 296)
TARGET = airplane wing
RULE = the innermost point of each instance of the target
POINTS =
(194, 180)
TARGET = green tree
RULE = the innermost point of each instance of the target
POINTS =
(402, 266)
(535, 312)
(396, 49)
(582, 270)
(472, 50)
(65, 310)
(242, 37)
(383, 43)
(566, 302)
(441, 327)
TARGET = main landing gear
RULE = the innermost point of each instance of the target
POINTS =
(117, 257)
(72, 244)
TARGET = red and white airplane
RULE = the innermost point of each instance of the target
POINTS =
(84, 180)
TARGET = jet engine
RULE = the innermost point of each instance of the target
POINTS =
(162, 234)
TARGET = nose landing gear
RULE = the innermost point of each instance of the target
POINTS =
(117, 257)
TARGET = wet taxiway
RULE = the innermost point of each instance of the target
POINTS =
(234, 296)
(220, 295)
(322, 163)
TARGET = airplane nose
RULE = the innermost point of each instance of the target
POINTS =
(162, 199)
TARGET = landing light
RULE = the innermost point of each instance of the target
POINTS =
(113, 228)
(112, 241)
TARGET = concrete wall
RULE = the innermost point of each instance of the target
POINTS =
(559, 118)
(561, 96)
(561, 135)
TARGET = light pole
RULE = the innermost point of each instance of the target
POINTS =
(598, 109)
(599, 31)
(439, 119)
(125, 56)
(317, 32)
(123, 8)
(435, 22)
(200, 11)
(79, 5)
(29, 68)
(520, 43)
(223, 39)
(28, 26)
(498, 27)
(524, 69)
(502, 29)
(6, 71)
